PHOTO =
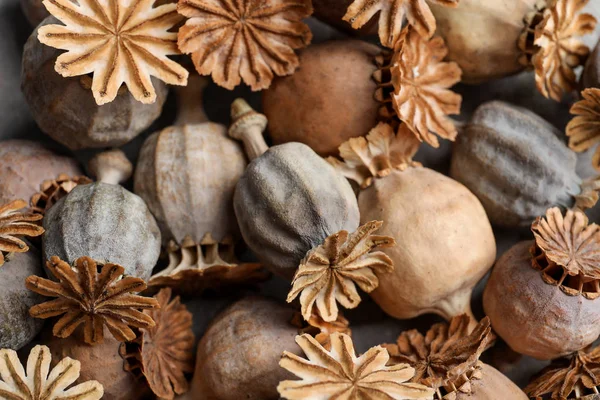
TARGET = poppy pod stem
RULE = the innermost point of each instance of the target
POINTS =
(190, 101)
(457, 304)
(248, 126)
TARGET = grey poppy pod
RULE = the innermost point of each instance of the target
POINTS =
(106, 223)
(65, 109)
(17, 327)
(289, 201)
(514, 162)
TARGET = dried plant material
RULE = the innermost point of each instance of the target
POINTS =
(208, 265)
(392, 14)
(14, 223)
(329, 273)
(53, 190)
(567, 252)
(38, 382)
(560, 48)
(338, 373)
(584, 130)
(121, 41)
(447, 356)
(569, 378)
(246, 40)
(93, 299)
(319, 328)
(421, 80)
(165, 352)
(377, 154)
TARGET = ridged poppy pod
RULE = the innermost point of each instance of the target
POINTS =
(446, 244)
(24, 165)
(328, 100)
(187, 173)
(517, 166)
(300, 217)
(104, 221)
(65, 109)
(17, 327)
(542, 296)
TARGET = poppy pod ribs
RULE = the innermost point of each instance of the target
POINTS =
(295, 213)
(518, 176)
(422, 210)
(446, 358)
(542, 296)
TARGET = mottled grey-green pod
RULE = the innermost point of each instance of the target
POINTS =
(65, 109)
(289, 200)
(17, 327)
(514, 162)
(106, 223)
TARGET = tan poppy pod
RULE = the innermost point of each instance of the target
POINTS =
(542, 296)
(101, 362)
(17, 327)
(445, 241)
(34, 11)
(238, 356)
(328, 100)
(24, 165)
(187, 173)
(65, 109)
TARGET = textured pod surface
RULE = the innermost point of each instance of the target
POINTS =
(492, 385)
(288, 201)
(17, 328)
(24, 165)
(101, 362)
(65, 109)
(485, 47)
(187, 176)
(533, 317)
(515, 164)
(106, 223)
(238, 357)
(328, 100)
(441, 230)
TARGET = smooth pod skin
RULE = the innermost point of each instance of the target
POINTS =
(24, 165)
(493, 385)
(482, 36)
(106, 223)
(328, 100)
(445, 243)
(289, 201)
(65, 109)
(515, 163)
(101, 362)
(533, 317)
(187, 176)
(238, 356)
(17, 327)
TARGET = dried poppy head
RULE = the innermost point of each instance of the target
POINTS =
(53, 190)
(541, 296)
(446, 358)
(584, 129)
(24, 165)
(65, 108)
(422, 210)
(16, 223)
(328, 100)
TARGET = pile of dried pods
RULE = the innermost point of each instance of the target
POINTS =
(477, 262)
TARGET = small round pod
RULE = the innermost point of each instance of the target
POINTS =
(542, 296)
(458, 373)
(187, 174)
(422, 210)
(238, 356)
(104, 221)
(65, 109)
(517, 166)
(24, 165)
(102, 362)
(17, 327)
(328, 100)
(289, 200)
(34, 11)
